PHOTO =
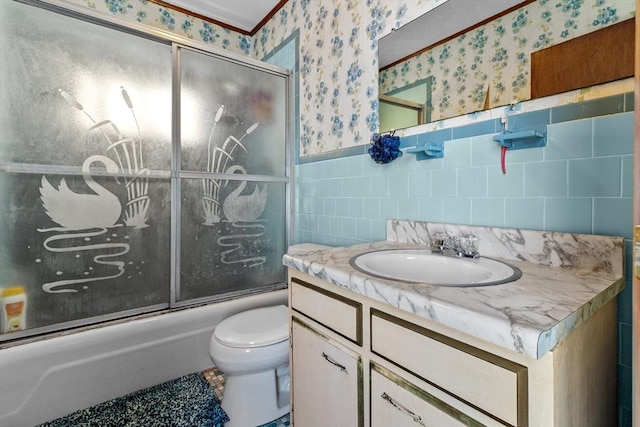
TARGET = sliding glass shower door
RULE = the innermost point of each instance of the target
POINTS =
(233, 165)
(135, 174)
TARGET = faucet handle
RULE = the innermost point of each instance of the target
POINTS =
(453, 242)
(439, 239)
(469, 245)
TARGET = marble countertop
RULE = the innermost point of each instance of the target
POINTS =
(565, 279)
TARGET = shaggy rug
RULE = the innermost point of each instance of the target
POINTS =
(189, 401)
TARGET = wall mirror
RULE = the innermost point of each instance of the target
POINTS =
(406, 101)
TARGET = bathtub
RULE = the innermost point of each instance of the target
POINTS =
(50, 378)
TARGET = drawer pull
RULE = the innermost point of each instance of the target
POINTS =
(333, 362)
(401, 408)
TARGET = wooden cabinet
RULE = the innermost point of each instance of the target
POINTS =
(327, 380)
(404, 370)
(488, 382)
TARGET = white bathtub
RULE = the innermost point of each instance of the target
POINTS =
(50, 378)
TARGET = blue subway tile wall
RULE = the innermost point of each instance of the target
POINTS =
(628, 101)
(580, 182)
(545, 179)
(488, 211)
(616, 132)
(597, 177)
(542, 190)
(627, 176)
(481, 128)
(597, 107)
(570, 140)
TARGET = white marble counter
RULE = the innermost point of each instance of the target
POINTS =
(565, 279)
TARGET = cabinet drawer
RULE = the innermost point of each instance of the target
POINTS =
(397, 402)
(494, 385)
(338, 313)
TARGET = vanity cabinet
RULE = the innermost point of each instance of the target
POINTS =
(328, 380)
(494, 384)
(328, 375)
(410, 371)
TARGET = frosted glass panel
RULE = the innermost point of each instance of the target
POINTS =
(86, 172)
(233, 117)
(71, 89)
(85, 118)
(242, 253)
(70, 249)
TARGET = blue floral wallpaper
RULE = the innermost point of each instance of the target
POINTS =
(151, 14)
(338, 64)
(339, 83)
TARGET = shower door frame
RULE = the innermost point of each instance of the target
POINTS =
(176, 162)
(176, 42)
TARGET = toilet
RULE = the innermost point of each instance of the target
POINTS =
(252, 349)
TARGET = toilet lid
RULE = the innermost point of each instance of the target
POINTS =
(254, 328)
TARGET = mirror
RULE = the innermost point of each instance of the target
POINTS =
(409, 105)
(403, 67)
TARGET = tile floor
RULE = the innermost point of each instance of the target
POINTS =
(217, 379)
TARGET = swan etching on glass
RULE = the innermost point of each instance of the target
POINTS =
(77, 211)
(244, 208)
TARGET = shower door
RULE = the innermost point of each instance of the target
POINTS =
(233, 172)
(136, 174)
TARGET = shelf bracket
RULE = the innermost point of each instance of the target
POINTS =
(522, 139)
(428, 150)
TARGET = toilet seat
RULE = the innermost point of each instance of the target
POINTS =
(254, 328)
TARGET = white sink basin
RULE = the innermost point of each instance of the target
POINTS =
(422, 266)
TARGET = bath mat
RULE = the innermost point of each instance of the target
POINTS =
(217, 380)
(188, 401)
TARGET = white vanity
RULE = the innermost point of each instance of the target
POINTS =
(538, 351)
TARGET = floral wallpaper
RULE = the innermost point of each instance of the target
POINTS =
(339, 83)
(338, 64)
(154, 15)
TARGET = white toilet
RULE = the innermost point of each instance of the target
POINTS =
(252, 349)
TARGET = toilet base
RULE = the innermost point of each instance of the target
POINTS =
(252, 399)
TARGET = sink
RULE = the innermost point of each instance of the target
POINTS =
(423, 266)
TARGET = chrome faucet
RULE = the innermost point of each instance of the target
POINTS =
(458, 246)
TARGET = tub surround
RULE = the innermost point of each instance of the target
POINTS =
(566, 278)
(103, 363)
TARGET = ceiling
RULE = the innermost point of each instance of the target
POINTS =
(238, 14)
(451, 17)
(442, 22)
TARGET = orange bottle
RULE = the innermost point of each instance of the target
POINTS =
(13, 304)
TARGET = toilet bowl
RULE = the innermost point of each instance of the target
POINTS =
(252, 349)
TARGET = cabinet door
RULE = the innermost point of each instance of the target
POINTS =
(326, 381)
(398, 403)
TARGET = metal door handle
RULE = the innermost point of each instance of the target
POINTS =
(333, 362)
(403, 409)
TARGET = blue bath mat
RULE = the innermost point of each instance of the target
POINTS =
(188, 401)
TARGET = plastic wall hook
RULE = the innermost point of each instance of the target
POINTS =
(518, 140)
(429, 150)
(521, 139)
